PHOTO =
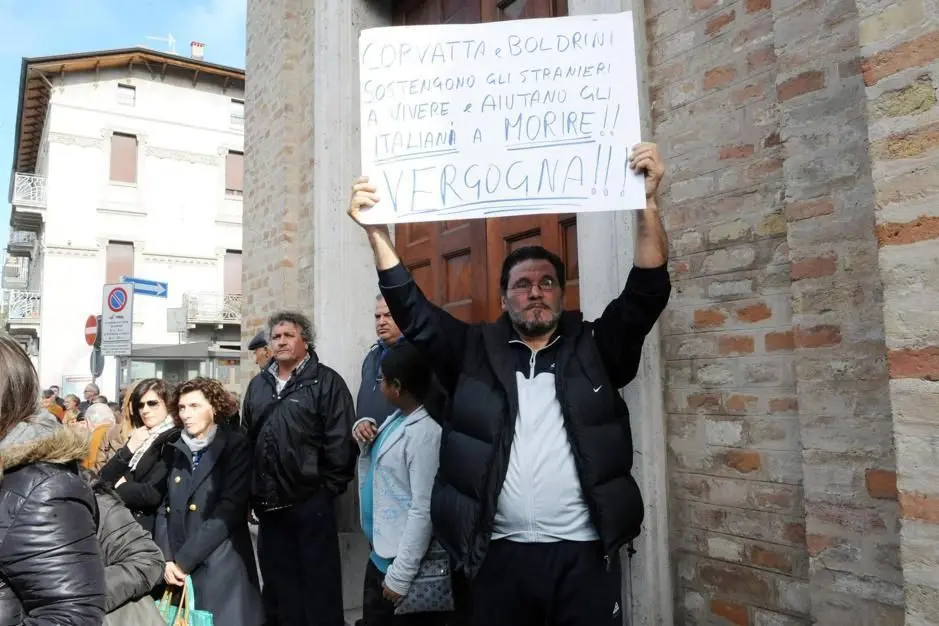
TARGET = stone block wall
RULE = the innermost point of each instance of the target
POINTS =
(900, 70)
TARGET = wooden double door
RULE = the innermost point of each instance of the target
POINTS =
(457, 263)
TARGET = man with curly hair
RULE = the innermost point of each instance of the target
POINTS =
(299, 414)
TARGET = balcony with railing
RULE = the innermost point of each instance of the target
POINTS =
(28, 200)
(212, 308)
(22, 243)
(16, 273)
(29, 190)
(22, 309)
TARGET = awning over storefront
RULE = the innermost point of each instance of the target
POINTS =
(184, 351)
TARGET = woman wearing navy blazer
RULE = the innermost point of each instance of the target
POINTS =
(203, 527)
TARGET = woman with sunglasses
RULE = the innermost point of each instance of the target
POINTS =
(140, 464)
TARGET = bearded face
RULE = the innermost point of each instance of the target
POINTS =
(534, 298)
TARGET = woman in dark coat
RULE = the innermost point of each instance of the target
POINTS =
(133, 563)
(203, 527)
(137, 468)
(51, 570)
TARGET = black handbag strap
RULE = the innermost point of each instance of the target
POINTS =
(259, 423)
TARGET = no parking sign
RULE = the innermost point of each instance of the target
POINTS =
(117, 320)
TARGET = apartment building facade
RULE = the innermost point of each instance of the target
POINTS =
(127, 165)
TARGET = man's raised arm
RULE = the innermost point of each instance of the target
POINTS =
(436, 333)
(624, 324)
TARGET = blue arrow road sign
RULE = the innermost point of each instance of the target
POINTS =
(146, 287)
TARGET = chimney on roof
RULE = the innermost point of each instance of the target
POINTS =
(197, 50)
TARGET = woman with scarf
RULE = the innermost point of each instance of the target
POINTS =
(51, 570)
(137, 467)
(203, 526)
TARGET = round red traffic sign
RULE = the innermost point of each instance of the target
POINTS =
(91, 330)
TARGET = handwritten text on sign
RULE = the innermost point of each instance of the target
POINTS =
(505, 118)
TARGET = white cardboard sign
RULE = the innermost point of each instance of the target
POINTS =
(504, 118)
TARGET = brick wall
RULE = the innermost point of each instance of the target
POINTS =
(735, 462)
(277, 135)
(780, 432)
(900, 69)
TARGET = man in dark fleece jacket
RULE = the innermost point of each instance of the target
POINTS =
(534, 496)
(371, 407)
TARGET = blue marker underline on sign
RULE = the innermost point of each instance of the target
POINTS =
(550, 205)
(551, 144)
(499, 209)
(484, 203)
(415, 155)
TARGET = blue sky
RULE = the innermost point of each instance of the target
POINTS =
(46, 27)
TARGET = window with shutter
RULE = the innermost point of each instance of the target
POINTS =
(123, 158)
(232, 272)
(127, 94)
(234, 174)
(237, 113)
(119, 261)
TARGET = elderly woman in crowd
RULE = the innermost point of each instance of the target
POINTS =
(71, 403)
(48, 403)
(116, 436)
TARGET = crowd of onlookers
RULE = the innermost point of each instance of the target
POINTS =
(105, 506)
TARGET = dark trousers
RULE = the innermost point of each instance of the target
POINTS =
(377, 611)
(298, 548)
(566, 583)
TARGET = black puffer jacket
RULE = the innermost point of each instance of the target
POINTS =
(476, 364)
(305, 443)
(51, 570)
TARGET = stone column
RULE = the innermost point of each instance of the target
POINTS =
(605, 243)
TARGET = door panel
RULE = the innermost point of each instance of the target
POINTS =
(458, 263)
(498, 10)
(415, 12)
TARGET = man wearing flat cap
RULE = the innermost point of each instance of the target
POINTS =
(262, 352)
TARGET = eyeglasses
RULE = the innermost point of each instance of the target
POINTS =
(149, 403)
(545, 285)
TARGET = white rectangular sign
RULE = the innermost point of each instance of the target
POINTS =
(504, 118)
(117, 320)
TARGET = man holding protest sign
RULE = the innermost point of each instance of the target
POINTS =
(534, 496)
